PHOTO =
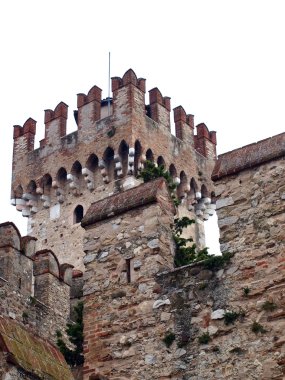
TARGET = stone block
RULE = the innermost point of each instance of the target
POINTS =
(224, 202)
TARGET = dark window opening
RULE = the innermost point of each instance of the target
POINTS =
(128, 264)
(78, 214)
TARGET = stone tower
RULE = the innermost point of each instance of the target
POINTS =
(54, 185)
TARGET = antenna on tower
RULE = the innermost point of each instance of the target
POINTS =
(109, 79)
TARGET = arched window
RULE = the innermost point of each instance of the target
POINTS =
(46, 183)
(61, 177)
(108, 158)
(172, 170)
(123, 153)
(92, 162)
(77, 214)
(182, 188)
(138, 152)
(160, 161)
(149, 155)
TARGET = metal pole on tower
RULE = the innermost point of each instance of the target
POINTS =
(109, 79)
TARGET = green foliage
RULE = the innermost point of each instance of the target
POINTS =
(180, 224)
(75, 334)
(204, 338)
(246, 291)
(269, 306)
(185, 253)
(188, 254)
(230, 317)
(151, 171)
(169, 338)
(257, 328)
(217, 262)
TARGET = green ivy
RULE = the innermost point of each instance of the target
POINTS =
(204, 338)
(186, 253)
(75, 335)
(257, 328)
(269, 306)
(230, 317)
(151, 172)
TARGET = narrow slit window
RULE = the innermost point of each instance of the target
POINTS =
(128, 264)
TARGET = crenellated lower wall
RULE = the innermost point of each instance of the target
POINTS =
(34, 289)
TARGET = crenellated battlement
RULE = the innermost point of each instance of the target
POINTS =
(93, 108)
(36, 263)
(105, 155)
(204, 139)
(35, 288)
(128, 78)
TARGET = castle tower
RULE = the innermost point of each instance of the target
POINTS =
(54, 185)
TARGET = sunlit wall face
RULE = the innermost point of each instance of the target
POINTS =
(212, 235)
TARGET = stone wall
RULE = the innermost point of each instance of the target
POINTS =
(250, 190)
(122, 330)
(191, 322)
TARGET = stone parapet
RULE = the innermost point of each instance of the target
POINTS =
(154, 191)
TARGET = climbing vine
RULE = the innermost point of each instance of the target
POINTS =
(73, 357)
(186, 250)
(186, 253)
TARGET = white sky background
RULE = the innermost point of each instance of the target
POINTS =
(222, 60)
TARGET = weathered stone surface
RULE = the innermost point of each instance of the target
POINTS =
(160, 303)
(125, 321)
(150, 359)
(227, 221)
(254, 280)
(137, 264)
(165, 317)
(224, 202)
(153, 244)
(89, 258)
(218, 314)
